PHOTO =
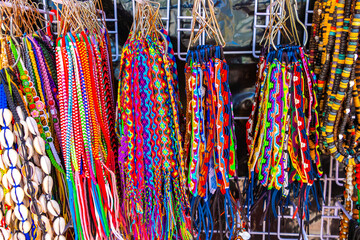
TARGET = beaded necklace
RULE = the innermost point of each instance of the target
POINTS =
(31, 188)
(20, 208)
(314, 37)
(340, 94)
(340, 133)
(37, 111)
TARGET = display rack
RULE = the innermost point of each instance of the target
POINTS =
(331, 209)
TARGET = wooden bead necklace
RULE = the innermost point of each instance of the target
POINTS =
(339, 129)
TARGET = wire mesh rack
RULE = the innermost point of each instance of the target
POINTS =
(113, 33)
(330, 212)
(331, 208)
(257, 27)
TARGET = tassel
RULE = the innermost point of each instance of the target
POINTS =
(71, 204)
(81, 205)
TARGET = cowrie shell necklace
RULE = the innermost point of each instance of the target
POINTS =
(12, 178)
(49, 206)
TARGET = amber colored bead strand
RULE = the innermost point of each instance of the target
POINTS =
(324, 105)
(344, 226)
(323, 76)
(355, 197)
(314, 39)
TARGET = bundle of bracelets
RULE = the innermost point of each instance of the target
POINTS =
(210, 142)
(89, 155)
(57, 110)
(151, 149)
(338, 93)
(281, 132)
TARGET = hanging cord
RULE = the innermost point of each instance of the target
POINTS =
(208, 24)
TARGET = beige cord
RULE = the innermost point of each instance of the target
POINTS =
(278, 24)
(208, 23)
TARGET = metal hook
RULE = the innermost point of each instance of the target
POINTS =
(303, 26)
(165, 41)
(279, 23)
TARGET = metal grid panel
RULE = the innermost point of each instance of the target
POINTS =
(330, 209)
(113, 33)
(182, 20)
(186, 20)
